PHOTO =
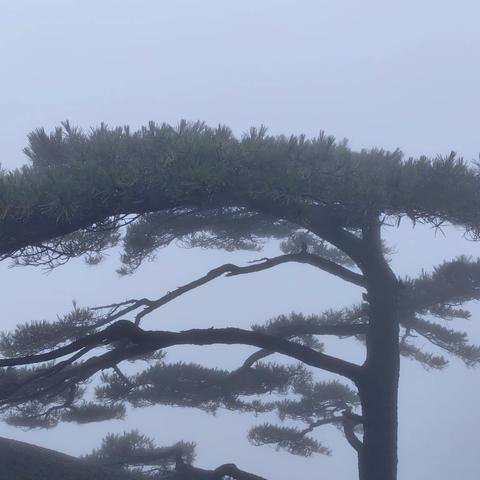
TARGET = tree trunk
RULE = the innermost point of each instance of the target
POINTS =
(379, 383)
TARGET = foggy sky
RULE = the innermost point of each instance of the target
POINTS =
(385, 74)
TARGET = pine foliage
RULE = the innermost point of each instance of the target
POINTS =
(196, 186)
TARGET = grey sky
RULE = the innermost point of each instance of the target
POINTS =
(382, 73)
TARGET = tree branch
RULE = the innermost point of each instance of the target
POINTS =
(230, 270)
(141, 342)
(308, 258)
(293, 330)
(188, 472)
(349, 422)
(183, 470)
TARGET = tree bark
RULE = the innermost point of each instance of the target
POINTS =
(378, 386)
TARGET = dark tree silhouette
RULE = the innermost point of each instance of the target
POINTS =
(84, 193)
(138, 454)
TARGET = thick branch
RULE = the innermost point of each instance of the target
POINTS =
(294, 330)
(159, 339)
(142, 342)
(327, 222)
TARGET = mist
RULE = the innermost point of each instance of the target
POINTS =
(383, 74)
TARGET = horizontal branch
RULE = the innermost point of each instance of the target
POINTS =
(231, 336)
(140, 342)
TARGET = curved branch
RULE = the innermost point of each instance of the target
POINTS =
(188, 472)
(230, 336)
(293, 330)
(308, 258)
(252, 359)
(141, 342)
(349, 422)
(231, 270)
(88, 341)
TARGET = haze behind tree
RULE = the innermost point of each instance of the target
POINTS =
(449, 107)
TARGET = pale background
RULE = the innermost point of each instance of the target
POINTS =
(383, 73)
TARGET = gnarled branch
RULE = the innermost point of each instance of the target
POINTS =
(137, 342)
(230, 270)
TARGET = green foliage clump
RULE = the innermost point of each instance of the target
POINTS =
(290, 439)
(39, 335)
(204, 187)
(138, 454)
(191, 385)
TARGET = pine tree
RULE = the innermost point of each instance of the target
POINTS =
(202, 187)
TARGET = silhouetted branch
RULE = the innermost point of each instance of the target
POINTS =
(137, 342)
(229, 270)
(349, 422)
(184, 471)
